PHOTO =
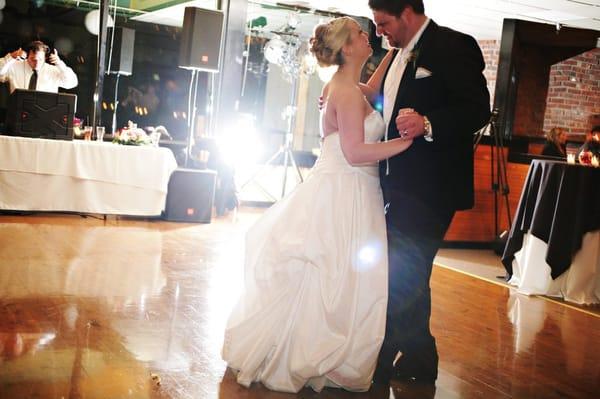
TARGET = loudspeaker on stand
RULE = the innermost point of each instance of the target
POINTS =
(121, 60)
(201, 39)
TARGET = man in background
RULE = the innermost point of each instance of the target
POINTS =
(591, 144)
(36, 68)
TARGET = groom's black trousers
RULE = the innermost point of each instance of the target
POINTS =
(415, 232)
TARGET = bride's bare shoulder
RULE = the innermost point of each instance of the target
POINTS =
(341, 94)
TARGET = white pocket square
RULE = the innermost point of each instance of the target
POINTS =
(422, 73)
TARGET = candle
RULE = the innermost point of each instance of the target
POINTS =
(571, 158)
(595, 161)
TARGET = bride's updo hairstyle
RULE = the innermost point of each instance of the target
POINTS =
(328, 40)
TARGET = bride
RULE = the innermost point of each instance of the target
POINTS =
(312, 312)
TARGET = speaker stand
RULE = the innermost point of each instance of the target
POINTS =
(286, 149)
(114, 118)
(288, 159)
(192, 110)
(191, 120)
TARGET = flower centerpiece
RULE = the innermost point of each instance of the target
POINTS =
(77, 125)
(132, 135)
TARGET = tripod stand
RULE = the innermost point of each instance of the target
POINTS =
(286, 150)
(498, 176)
(114, 116)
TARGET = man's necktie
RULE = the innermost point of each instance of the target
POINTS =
(33, 81)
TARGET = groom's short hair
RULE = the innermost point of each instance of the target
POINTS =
(395, 7)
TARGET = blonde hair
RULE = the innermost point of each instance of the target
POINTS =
(328, 40)
(553, 134)
(553, 137)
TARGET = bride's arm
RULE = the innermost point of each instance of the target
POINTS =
(350, 116)
(372, 88)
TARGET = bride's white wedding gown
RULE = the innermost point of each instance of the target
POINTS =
(315, 285)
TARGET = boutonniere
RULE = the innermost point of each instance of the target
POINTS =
(412, 57)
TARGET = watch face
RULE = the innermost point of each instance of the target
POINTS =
(426, 125)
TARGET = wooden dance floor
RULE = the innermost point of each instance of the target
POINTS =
(136, 309)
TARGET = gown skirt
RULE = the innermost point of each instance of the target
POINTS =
(313, 308)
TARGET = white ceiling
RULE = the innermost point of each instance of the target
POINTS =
(480, 18)
(173, 15)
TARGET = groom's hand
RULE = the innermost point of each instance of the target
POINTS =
(54, 58)
(410, 124)
(19, 54)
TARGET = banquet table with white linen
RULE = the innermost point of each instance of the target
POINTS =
(83, 176)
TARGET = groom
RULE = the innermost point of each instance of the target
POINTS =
(435, 93)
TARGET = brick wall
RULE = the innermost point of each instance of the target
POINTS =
(573, 92)
(491, 54)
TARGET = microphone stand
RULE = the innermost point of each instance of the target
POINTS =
(498, 174)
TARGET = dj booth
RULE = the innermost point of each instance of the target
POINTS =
(83, 176)
(56, 173)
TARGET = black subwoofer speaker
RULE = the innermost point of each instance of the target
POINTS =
(40, 114)
(190, 195)
(121, 59)
(201, 39)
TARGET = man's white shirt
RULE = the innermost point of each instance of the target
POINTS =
(394, 76)
(393, 79)
(50, 77)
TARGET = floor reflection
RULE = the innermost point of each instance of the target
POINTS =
(120, 265)
(137, 310)
(16, 344)
(545, 339)
(528, 316)
(52, 348)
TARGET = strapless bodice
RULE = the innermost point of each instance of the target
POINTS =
(332, 158)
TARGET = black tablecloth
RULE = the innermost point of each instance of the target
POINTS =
(560, 203)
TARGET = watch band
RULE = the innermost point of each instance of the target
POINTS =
(427, 129)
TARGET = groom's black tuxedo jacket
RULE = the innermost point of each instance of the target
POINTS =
(455, 98)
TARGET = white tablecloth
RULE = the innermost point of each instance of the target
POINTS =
(579, 284)
(83, 176)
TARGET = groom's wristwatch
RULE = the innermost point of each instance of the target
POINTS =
(427, 129)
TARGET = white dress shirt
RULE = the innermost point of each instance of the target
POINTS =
(50, 77)
(393, 79)
(394, 75)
